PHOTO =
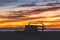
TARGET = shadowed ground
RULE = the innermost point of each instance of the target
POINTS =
(30, 35)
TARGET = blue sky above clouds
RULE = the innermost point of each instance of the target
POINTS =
(10, 3)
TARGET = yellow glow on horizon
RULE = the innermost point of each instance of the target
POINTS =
(48, 18)
(26, 23)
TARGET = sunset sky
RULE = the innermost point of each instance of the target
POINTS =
(13, 15)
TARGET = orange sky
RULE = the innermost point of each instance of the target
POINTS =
(50, 18)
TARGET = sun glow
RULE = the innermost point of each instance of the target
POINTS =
(51, 19)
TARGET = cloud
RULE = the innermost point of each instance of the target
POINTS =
(12, 16)
(42, 15)
(48, 17)
(6, 2)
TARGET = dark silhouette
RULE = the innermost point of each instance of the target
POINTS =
(43, 27)
(31, 27)
(34, 27)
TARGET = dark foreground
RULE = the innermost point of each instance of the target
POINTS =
(30, 35)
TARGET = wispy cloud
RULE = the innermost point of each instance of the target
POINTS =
(23, 15)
